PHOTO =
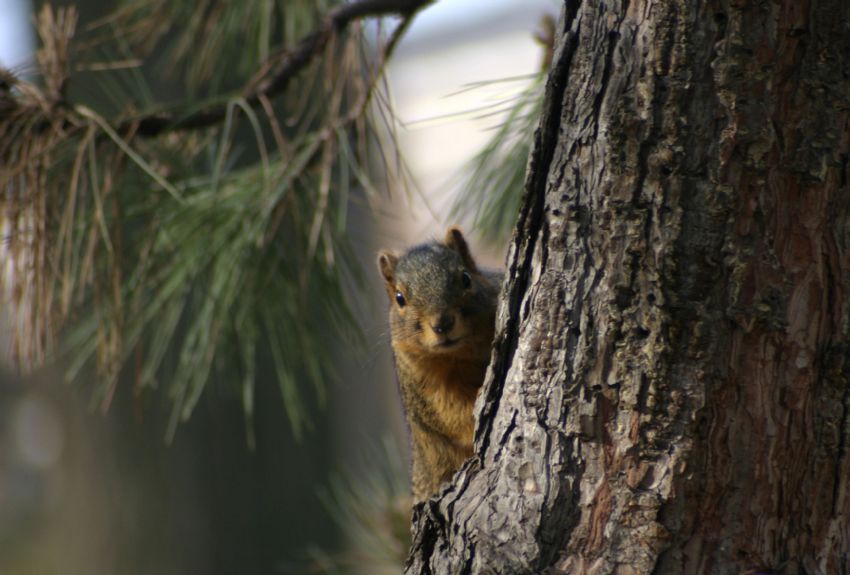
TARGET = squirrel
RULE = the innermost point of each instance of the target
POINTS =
(442, 319)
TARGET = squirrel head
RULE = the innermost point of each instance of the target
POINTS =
(439, 302)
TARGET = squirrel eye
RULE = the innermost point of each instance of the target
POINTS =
(399, 298)
(467, 281)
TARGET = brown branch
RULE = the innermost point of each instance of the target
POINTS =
(280, 68)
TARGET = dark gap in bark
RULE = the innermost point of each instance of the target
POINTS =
(503, 439)
(429, 523)
(842, 448)
(558, 524)
(613, 37)
(643, 393)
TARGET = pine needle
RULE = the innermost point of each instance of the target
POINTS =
(241, 272)
(494, 179)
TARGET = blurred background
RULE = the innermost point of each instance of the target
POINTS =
(90, 493)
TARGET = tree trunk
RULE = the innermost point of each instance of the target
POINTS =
(669, 384)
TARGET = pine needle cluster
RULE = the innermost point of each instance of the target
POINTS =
(493, 181)
(162, 242)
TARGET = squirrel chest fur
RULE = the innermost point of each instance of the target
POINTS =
(442, 317)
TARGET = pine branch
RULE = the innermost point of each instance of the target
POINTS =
(272, 78)
(275, 75)
(169, 289)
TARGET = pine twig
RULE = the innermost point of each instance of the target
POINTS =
(276, 73)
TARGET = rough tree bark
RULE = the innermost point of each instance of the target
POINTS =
(669, 385)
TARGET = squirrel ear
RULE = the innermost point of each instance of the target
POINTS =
(456, 241)
(386, 264)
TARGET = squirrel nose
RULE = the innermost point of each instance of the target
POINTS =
(444, 324)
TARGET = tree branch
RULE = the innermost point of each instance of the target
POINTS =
(280, 68)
